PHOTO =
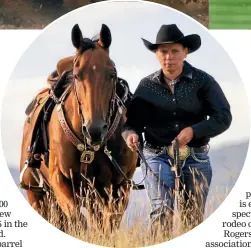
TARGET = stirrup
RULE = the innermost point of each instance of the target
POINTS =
(40, 182)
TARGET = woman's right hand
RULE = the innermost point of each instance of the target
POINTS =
(132, 141)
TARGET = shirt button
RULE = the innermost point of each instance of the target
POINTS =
(174, 113)
(177, 125)
(173, 99)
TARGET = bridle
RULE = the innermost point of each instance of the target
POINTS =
(112, 104)
(116, 106)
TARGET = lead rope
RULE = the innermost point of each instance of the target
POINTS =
(141, 155)
(137, 186)
(178, 175)
(176, 167)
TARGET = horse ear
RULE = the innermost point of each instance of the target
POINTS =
(105, 37)
(76, 36)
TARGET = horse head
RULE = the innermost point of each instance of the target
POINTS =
(95, 81)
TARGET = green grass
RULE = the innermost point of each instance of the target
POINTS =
(230, 14)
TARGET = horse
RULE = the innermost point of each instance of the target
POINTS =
(86, 148)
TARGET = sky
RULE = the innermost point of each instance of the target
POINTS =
(128, 22)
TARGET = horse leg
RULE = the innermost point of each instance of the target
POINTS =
(63, 192)
(34, 200)
(65, 198)
(64, 168)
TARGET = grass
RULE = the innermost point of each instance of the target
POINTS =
(95, 234)
(230, 14)
(97, 230)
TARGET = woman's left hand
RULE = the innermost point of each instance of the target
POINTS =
(185, 136)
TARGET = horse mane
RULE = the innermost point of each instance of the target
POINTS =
(86, 44)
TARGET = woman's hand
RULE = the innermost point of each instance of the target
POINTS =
(185, 136)
(132, 141)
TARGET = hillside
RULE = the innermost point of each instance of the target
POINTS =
(36, 14)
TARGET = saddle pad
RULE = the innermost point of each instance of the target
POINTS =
(34, 101)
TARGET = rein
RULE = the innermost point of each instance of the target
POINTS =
(137, 186)
(176, 168)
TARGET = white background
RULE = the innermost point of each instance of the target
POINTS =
(12, 45)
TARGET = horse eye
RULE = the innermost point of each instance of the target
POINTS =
(76, 74)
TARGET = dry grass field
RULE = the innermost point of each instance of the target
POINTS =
(98, 231)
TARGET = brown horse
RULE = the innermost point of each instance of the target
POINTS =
(89, 109)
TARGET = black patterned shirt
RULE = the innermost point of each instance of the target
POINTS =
(198, 102)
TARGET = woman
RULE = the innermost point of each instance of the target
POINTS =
(175, 103)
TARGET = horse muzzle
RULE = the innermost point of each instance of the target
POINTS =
(95, 132)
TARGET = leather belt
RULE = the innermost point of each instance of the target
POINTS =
(184, 152)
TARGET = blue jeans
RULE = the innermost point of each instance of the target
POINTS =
(160, 183)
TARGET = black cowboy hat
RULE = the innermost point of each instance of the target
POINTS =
(171, 34)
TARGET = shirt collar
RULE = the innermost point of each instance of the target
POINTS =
(187, 72)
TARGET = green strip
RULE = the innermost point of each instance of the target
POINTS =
(230, 14)
(230, 2)
(231, 11)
